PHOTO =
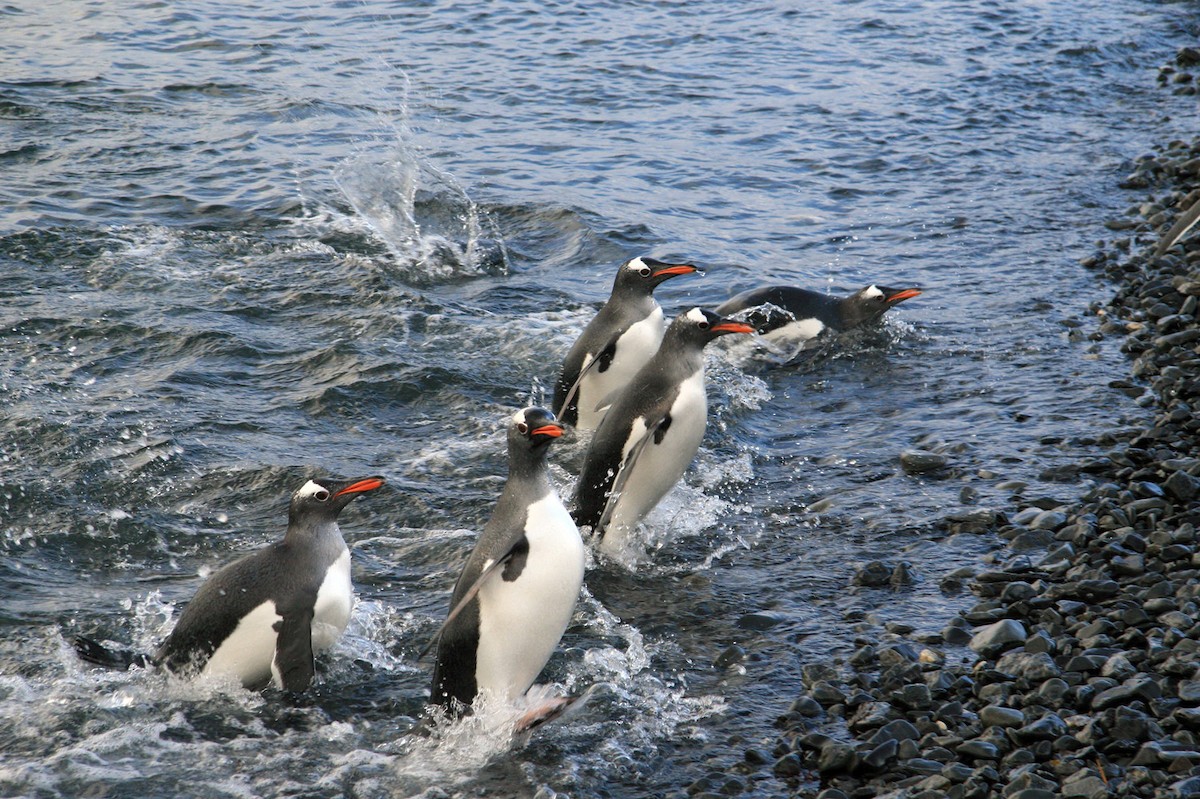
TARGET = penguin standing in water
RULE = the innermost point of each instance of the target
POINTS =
(792, 316)
(518, 588)
(651, 433)
(263, 617)
(615, 344)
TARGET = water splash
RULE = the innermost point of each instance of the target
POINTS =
(433, 229)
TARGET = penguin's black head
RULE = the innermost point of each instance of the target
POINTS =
(699, 326)
(533, 429)
(325, 498)
(643, 274)
(868, 304)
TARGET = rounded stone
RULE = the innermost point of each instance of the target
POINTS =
(996, 637)
(1000, 716)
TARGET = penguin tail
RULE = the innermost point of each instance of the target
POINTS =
(96, 653)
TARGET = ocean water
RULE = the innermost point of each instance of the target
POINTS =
(241, 245)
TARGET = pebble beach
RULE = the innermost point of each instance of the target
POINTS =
(1074, 671)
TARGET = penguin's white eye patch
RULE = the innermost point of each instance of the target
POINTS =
(313, 489)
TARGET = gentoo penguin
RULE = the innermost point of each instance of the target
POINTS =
(616, 343)
(792, 316)
(518, 588)
(262, 617)
(651, 432)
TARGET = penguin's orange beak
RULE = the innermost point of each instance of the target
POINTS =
(676, 269)
(552, 430)
(905, 294)
(365, 484)
(732, 327)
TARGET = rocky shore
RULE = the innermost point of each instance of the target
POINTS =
(1084, 679)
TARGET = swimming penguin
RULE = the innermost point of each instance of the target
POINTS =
(792, 316)
(518, 588)
(651, 433)
(616, 343)
(262, 617)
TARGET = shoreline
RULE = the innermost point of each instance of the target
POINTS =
(1085, 682)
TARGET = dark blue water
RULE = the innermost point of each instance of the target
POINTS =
(244, 244)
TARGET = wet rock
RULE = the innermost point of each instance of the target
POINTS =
(979, 749)
(1182, 486)
(812, 673)
(875, 573)
(761, 620)
(837, 756)
(1031, 666)
(998, 716)
(881, 755)
(1189, 691)
(1084, 784)
(916, 461)
(1047, 728)
(807, 706)
(789, 765)
(1118, 667)
(898, 730)
(870, 715)
(1028, 780)
(826, 693)
(1189, 787)
(995, 638)
(1049, 520)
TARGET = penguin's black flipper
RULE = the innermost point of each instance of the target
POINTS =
(604, 357)
(618, 485)
(293, 661)
(471, 592)
(96, 653)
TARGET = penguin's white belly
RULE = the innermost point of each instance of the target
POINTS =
(635, 347)
(335, 601)
(659, 466)
(521, 622)
(794, 333)
(249, 649)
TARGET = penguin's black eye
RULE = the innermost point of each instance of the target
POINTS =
(702, 325)
(522, 428)
(645, 271)
(321, 495)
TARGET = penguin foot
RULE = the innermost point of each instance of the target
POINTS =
(549, 709)
(92, 651)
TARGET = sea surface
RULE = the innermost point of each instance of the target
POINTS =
(242, 244)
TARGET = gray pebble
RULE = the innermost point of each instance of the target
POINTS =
(997, 637)
(980, 750)
(999, 716)
(1049, 520)
(875, 573)
(917, 461)
(882, 754)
